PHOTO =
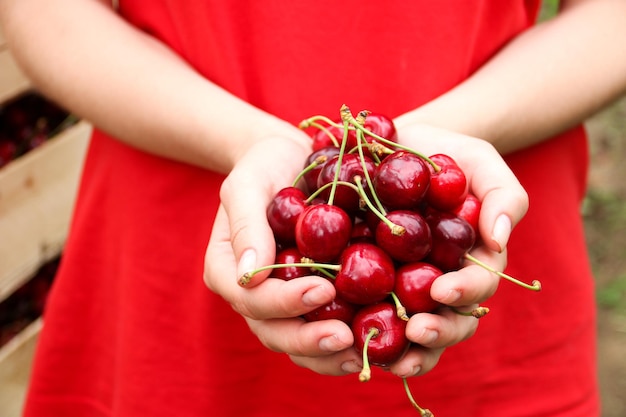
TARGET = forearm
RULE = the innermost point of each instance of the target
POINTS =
(127, 83)
(550, 78)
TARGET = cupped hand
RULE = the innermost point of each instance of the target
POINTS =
(242, 241)
(504, 203)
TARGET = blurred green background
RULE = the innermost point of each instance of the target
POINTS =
(604, 213)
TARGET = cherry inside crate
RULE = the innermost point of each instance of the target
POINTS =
(382, 222)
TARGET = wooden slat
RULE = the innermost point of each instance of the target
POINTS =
(15, 366)
(12, 79)
(37, 194)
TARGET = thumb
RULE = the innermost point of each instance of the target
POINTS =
(251, 237)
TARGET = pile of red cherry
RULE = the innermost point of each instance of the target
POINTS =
(382, 222)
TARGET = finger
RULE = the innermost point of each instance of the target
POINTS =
(300, 338)
(345, 362)
(245, 199)
(276, 298)
(446, 328)
(504, 200)
(417, 361)
(472, 284)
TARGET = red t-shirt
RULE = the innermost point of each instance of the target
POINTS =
(131, 330)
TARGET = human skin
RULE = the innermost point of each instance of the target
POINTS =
(199, 113)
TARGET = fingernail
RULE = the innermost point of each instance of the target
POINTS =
(427, 336)
(316, 296)
(414, 371)
(351, 367)
(247, 263)
(332, 344)
(451, 297)
(501, 231)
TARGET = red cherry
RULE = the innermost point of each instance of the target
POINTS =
(351, 166)
(376, 123)
(453, 237)
(470, 211)
(448, 186)
(310, 177)
(289, 256)
(410, 246)
(321, 139)
(338, 309)
(8, 152)
(361, 232)
(402, 180)
(283, 212)
(322, 232)
(389, 344)
(367, 274)
(413, 282)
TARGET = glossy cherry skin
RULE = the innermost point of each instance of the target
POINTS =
(283, 212)
(378, 124)
(321, 139)
(402, 180)
(322, 232)
(361, 232)
(310, 177)
(470, 211)
(448, 186)
(453, 238)
(289, 256)
(351, 166)
(338, 309)
(390, 344)
(411, 246)
(413, 282)
(367, 274)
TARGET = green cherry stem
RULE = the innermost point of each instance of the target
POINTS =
(535, 286)
(366, 174)
(366, 372)
(423, 411)
(342, 150)
(247, 277)
(332, 137)
(388, 142)
(316, 162)
(311, 121)
(396, 229)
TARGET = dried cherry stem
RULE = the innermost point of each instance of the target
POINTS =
(423, 411)
(535, 286)
(478, 312)
(366, 372)
(400, 309)
(318, 161)
(247, 277)
(396, 229)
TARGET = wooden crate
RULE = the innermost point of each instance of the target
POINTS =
(36, 198)
(37, 193)
(15, 366)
